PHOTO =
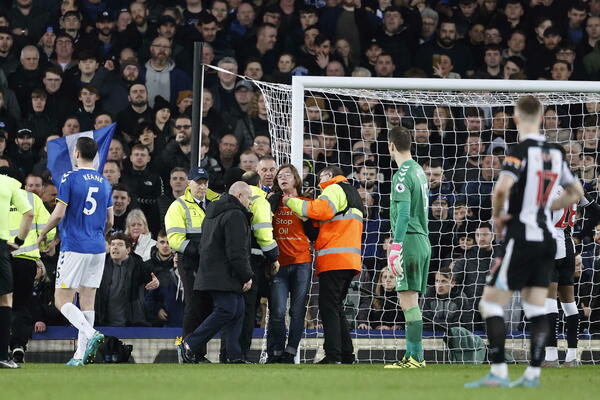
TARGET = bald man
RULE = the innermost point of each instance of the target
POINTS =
(225, 273)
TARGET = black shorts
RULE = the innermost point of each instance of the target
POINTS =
(6, 276)
(564, 269)
(523, 264)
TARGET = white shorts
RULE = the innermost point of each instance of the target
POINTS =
(79, 269)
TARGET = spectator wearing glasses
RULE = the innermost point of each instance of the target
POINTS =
(177, 152)
(63, 50)
(162, 76)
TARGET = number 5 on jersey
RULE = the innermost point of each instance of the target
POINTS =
(90, 199)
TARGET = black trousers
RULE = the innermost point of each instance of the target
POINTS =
(251, 298)
(198, 305)
(22, 323)
(333, 288)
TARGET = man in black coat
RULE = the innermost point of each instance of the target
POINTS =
(120, 297)
(224, 272)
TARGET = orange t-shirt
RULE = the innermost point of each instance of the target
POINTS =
(294, 246)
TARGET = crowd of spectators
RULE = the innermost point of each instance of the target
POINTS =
(74, 65)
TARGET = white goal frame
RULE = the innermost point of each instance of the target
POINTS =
(302, 83)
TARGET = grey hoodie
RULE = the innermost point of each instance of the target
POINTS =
(158, 83)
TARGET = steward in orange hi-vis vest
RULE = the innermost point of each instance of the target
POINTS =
(339, 211)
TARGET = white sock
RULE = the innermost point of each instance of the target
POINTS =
(500, 370)
(571, 355)
(551, 354)
(532, 372)
(81, 339)
(77, 319)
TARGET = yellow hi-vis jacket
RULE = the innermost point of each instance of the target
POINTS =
(263, 242)
(29, 249)
(183, 220)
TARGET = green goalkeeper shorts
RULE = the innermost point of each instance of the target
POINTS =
(416, 253)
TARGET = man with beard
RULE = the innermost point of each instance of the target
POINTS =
(163, 78)
(8, 62)
(138, 110)
(105, 27)
(27, 77)
(139, 13)
(115, 91)
(166, 27)
(27, 21)
(177, 153)
(22, 155)
(447, 44)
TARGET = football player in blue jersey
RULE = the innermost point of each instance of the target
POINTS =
(84, 211)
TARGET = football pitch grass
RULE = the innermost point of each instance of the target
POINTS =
(282, 382)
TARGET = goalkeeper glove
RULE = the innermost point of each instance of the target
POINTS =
(395, 259)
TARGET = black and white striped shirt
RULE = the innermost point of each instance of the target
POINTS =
(538, 168)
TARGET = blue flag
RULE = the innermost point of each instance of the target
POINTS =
(61, 151)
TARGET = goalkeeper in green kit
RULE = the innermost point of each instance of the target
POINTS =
(410, 250)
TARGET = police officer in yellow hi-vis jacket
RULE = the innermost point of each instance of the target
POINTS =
(264, 253)
(183, 223)
(25, 261)
(10, 195)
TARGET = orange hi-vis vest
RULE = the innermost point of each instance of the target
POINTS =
(288, 230)
(338, 245)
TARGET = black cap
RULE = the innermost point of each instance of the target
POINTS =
(104, 17)
(24, 132)
(552, 31)
(197, 173)
(166, 19)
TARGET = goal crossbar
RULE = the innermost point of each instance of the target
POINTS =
(302, 83)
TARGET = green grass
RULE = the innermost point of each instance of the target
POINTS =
(281, 382)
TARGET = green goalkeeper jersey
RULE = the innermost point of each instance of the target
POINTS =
(409, 185)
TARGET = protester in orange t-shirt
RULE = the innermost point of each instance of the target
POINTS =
(293, 278)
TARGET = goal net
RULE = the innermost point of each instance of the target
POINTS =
(460, 137)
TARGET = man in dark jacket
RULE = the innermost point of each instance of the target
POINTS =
(164, 307)
(120, 298)
(224, 272)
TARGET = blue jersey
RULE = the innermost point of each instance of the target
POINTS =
(88, 196)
